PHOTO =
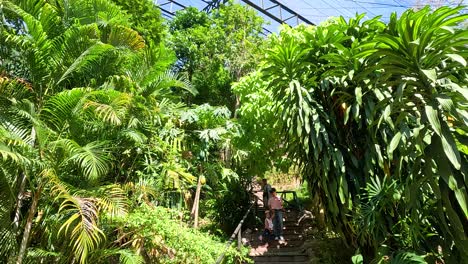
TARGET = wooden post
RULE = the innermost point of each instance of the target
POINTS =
(239, 239)
(196, 203)
(255, 209)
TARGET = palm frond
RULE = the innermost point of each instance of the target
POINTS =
(93, 159)
(130, 257)
(102, 12)
(34, 45)
(60, 109)
(13, 89)
(15, 135)
(8, 242)
(109, 106)
(45, 13)
(81, 225)
(144, 189)
(169, 107)
(109, 198)
(9, 154)
(125, 38)
(126, 256)
(133, 135)
(40, 254)
(163, 83)
(70, 45)
(87, 60)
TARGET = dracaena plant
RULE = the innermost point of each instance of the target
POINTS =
(376, 116)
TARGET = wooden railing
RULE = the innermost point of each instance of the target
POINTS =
(238, 232)
(291, 202)
(294, 203)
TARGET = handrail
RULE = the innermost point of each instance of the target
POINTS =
(297, 205)
(237, 232)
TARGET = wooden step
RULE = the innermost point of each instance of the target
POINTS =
(292, 251)
(276, 244)
(293, 227)
(295, 262)
(287, 238)
(292, 231)
(281, 258)
(275, 252)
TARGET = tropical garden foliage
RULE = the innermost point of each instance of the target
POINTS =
(216, 49)
(111, 119)
(95, 138)
(376, 116)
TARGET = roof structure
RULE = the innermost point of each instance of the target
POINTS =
(294, 12)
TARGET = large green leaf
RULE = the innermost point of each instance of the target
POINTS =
(433, 118)
(450, 147)
(394, 143)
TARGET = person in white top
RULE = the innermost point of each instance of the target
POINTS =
(268, 229)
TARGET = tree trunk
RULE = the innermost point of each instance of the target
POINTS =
(19, 200)
(28, 227)
(236, 106)
(228, 156)
(196, 203)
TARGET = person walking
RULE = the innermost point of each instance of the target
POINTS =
(275, 203)
(266, 188)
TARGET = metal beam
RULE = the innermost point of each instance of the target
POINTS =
(273, 9)
(169, 7)
(298, 16)
(260, 6)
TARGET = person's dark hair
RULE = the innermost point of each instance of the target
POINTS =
(272, 190)
(264, 180)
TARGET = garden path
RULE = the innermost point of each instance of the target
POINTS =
(275, 252)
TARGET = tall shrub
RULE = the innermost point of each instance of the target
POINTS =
(374, 113)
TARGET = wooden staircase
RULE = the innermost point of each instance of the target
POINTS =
(274, 252)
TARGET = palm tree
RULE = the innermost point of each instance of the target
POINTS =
(49, 48)
(63, 142)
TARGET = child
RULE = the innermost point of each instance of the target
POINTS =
(268, 229)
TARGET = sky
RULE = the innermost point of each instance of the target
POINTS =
(317, 11)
